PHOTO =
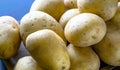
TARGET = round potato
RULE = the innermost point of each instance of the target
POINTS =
(9, 37)
(85, 30)
(37, 20)
(27, 63)
(83, 58)
(70, 3)
(109, 48)
(48, 49)
(67, 16)
(54, 8)
(104, 8)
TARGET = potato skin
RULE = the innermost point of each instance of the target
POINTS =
(9, 37)
(70, 4)
(48, 49)
(27, 63)
(83, 58)
(37, 20)
(104, 8)
(109, 48)
(55, 8)
(67, 16)
(85, 29)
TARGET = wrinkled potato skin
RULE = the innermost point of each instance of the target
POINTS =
(9, 37)
(70, 4)
(48, 49)
(36, 20)
(109, 48)
(83, 58)
(55, 8)
(104, 8)
(27, 63)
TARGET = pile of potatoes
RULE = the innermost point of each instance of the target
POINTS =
(64, 35)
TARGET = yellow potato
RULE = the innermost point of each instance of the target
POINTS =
(70, 3)
(104, 8)
(67, 16)
(48, 49)
(109, 48)
(83, 58)
(85, 30)
(9, 37)
(54, 8)
(27, 63)
(37, 20)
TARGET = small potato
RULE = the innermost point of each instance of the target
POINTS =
(83, 58)
(48, 49)
(70, 3)
(9, 37)
(109, 48)
(27, 63)
(85, 30)
(104, 8)
(55, 8)
(67, 16)
(37, 20)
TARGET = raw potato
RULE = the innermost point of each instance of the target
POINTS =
(70, 3)
(85, 30)
(67, 16)
(54, 8)
(83, 58)
(48, 49)
(9, 37)
(109, 48)
(104, 8)
(37, 20)
(27, 63)
(116, 18)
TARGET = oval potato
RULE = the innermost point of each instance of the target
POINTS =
(70, 4)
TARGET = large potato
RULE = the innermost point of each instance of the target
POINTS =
(85, 29)
(27, 63)
(54, 8)
(116, 18)
(70, 3)
(83, 58)
(109, 48)
(9, 37)
(48, 49)
(67, 16)
(37, 20)
(104, 8)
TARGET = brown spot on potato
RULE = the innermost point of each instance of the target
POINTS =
(63, 67)
(94, 37)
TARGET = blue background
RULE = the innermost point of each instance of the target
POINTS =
(16, 9)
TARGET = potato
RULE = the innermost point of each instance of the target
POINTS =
(70, 3)
(104, 8)
(27, 63)
(116, 18)
(37, 20)
(67, 16)
(48, 49)
(9, 37)
(83, 58)
(54, 8)
(109, 48)
(85, 30)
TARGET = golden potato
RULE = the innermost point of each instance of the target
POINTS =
(48, 49)
(54, 8)
(67, 16)
(70, 3)
(83, 58)
(85, 30)
(9, 37)
(109, 48)
(27, 63)
(104, 8)
(37, 20)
